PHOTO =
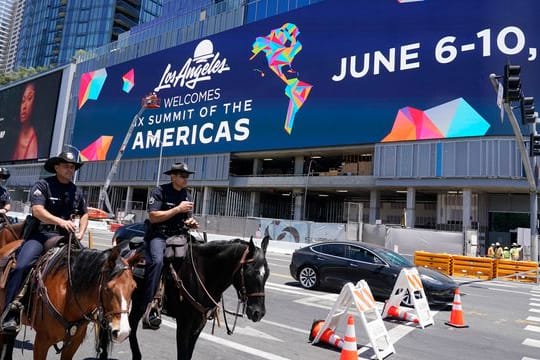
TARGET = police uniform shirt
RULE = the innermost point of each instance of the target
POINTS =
(165, 197)
(59, 199)
(5, 198)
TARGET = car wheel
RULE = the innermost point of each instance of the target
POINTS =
(308, 277)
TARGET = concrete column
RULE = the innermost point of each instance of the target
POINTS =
(410, 217)
(374, 206)
(207, 196)
(254, 203)
(298, 165)
(467, 209)
(257, 166)
(298, 203)
(129, 197)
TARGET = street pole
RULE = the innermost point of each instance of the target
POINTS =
(160, 158)
(306, 187)
(528, 165)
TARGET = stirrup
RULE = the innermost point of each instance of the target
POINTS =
(152, 317)
(14, 312)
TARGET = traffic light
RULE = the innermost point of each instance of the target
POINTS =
(512, 83)
(528, 115)
(534, 149)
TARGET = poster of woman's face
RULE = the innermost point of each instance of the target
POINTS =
(27, 118)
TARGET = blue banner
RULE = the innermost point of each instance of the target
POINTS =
(331, 74)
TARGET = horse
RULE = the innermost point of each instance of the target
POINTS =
(194, 286)
(69, 289)
(10, 232)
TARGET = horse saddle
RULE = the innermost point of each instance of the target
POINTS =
(8, 262)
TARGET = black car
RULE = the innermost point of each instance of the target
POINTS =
(128, 232)
(333, 264)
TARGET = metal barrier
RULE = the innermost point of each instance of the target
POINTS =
(477, 267)
(523, 271)
(440, 262)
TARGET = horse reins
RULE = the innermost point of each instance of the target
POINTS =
(9, 227)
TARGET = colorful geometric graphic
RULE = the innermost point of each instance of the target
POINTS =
(455, 118)
(91, 85)
(280, 47)
(97, 150)
(128, 81)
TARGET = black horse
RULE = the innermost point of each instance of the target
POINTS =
(194, 286)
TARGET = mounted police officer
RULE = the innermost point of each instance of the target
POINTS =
(170, 211)
(5, 198)
(55, 200)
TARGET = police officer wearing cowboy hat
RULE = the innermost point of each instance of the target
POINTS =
(170, 212)
(54, 201)
(5, 198)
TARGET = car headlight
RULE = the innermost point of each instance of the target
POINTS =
(430, 279)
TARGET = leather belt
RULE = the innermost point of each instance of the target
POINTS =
(49, 227)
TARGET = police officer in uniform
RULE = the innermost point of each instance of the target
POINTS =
(5, 198)
(170, 209)
(54, 201)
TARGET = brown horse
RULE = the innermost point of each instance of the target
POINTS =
(10, 232)
(70, 288)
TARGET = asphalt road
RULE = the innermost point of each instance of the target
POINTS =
(503, 320)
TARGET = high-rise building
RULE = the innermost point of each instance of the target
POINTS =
(10, 24)
(53, 31)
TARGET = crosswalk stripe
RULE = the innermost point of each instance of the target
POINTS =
(531, 342)
(534, 304)
(535, 310)
(528, 358)
(532, 328)
(533, 318)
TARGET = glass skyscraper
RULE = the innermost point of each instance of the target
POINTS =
(53, 31)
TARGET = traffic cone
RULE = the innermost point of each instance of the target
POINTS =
(350, 348)
(328, 337)
(456, 316)
(398, 313)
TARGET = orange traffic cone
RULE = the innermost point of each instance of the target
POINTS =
(398, 313)
(456, 316)
(350, 348)
(327, 337)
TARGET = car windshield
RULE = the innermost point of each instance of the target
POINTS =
(393, 258)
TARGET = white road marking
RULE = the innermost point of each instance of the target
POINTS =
(528, 358)
(533, 318)
(534, 304)
(535, 310)
(534, 299)
(302, 331)
(532, 328)
(531, 342)
(510, 291)
(249, 331)
(231, 344)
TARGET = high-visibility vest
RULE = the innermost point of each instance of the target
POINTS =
(499, 253)
(506, 254)
(491, 252)
(514, 253)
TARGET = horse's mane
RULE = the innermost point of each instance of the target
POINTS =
(86, 265)
(222, 247)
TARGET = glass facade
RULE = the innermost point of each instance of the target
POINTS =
(53, 31)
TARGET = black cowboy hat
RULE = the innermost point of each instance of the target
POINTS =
(179, 167)
(64, 157)
(4, 173)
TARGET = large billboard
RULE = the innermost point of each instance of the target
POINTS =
(27, 118)
(331, 74)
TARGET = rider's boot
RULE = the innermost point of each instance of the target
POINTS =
(11, 318)
(152, 316)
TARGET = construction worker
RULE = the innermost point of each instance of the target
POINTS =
(491, 251)
(515, 252)
(506, 253)
(498, 251)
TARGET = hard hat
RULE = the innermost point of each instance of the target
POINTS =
(498, 243)
(506, 248)
(492, 244)
(514, 245)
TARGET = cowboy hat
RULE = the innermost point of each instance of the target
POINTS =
(4, 173)
(64, 157)
(179, 167)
